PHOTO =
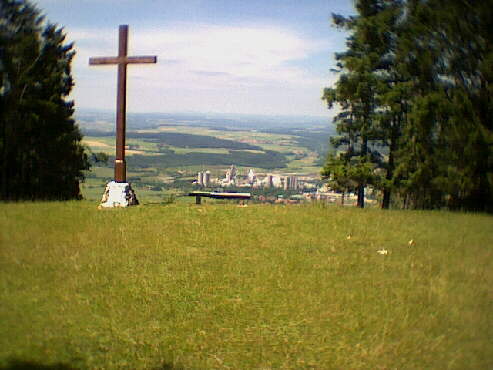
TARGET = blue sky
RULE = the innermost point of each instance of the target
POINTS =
(221, 56)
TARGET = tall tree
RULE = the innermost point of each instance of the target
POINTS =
(357, 92)
(417, 78)
(448, 155)
(40, 145)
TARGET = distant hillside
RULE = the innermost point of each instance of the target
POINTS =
(267, 160)
(182, 140)
(104, 120)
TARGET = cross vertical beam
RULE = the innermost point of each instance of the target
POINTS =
(121, 98)
(121, 106)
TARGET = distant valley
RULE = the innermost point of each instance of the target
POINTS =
(165, 151)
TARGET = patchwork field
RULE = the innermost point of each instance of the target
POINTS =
(175, 153)
(258, 287)
(267, 141)
(151, 139)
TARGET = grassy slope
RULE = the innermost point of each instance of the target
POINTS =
(241, 288)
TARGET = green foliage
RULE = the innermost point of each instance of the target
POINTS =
(336, 171)
(357, 94)
(453, 131)
(99, 158)
(270, 192)
(40, 149)
(258, 287)
(268, 160)
(169, 198)
(416, 79)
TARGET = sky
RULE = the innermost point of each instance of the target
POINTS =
(270, 57)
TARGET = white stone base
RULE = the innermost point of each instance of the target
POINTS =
(118, 194)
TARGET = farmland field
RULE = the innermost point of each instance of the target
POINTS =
(156, 156)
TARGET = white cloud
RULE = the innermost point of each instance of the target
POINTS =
(197, 62)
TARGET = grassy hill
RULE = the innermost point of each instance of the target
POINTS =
(260, 287)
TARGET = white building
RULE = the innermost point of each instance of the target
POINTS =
(290, 183)
(200, 178)
(230, 178)
(206, 179)
(251, 177)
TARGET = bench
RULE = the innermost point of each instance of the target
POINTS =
(199, 194)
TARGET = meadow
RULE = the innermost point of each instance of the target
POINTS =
(219, 286)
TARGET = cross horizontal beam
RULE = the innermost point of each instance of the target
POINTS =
(122, 60)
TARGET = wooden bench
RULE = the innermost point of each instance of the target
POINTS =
(199, 194)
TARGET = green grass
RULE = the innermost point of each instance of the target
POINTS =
(178, 150)
(261, 287)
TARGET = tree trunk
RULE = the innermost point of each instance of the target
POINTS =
(361, 196)
(390, 171)
(394, 137)
(386, 198)
(361, 187)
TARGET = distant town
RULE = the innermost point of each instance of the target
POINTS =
(251, 180)
(296, 188)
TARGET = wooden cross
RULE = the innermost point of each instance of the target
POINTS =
(121, 100)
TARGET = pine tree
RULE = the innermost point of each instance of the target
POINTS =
(447, 158)
(40, 145)
(357, 93)
(417, 79)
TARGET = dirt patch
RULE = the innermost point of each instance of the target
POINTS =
(130, 151)
(94, 143)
